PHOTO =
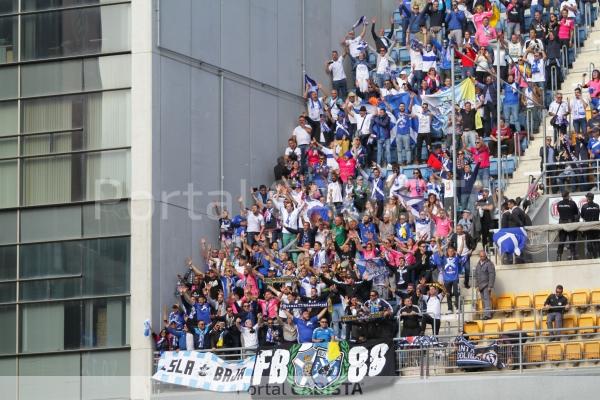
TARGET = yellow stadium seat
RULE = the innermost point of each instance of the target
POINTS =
(573, 351)
(480, 302)
(580, 298)
(591, 350)
(523, 302)
(491, 328)
(587, 320)
(554, 351)
(595, 297)
(569, 321)
(529, 324)
(539, 299)
(472, 329)
(511, 324)
(505, 302)
(534, 352)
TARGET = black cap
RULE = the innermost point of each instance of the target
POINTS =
(590, 195)
(363, 108)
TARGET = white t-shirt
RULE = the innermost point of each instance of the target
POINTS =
(363, 123)
(254, 222)
(362, 77)
(577, 108)
(390, 92)
(315, 108)
(354, 45)
(434, 305)
(398, 184)
(352, 116)
(448, 188)
(424, 122)
(301, 135)
(416, 59)
(571, 3)
(337, 69)
(559, 110)
(295, 151)
(250, 339)
(461, 244)
(514, 50)
(334, 190)
(383, 65)
(538, 70)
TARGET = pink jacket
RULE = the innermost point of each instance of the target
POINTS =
(478, 19)
(347, 168)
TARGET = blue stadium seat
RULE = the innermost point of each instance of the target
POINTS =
(397, 18)
(404, 55)
(395, 55)
(372, 58)
(493, 167)
(400, 36)
(509, 165)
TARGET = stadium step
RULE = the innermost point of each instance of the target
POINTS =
(529, 164)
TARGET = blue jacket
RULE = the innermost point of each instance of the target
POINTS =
(449, 266)
(415, 20)
(455, 20)
(444, 53)
(381, 126)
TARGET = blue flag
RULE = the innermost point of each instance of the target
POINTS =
(511, 240)
(313, 84)
(413, 204)
(358, 22)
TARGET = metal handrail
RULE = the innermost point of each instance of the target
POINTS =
(564, 58)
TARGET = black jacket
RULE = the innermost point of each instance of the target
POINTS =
(590, 212)
(567, 211)
(277, 335)
(359, 289)
(469, 241)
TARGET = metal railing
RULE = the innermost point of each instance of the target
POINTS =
(571, 174)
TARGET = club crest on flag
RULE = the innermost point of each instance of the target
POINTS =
(310, 368)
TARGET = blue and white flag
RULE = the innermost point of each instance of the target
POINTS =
(204, 370)
(312, 83)
(511, 240)
(358, 22)
(413, 204)
(404, 98)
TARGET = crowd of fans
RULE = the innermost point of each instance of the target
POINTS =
(343, 244)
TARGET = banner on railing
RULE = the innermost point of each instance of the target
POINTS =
(315, 369)
(469, 356)
(204, 370)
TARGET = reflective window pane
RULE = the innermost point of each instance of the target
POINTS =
(8, 222)
(113, 364)
(51, 180)
(32, 5)
(8, 82)
(8, 322)
(106, 267)
(104, 117)
(76, 32)
(61, 324)
(8, 147)
(51, 259)
(9, 6)
(8, 118)
(102, 219)
(52, 114)
(8, 262)
(108, 120)
(8, 292)
(50, 289)
(51, 78)
(8, 40)
(8, 183)
(104, 323)
(50, 223)
(108, 175)
(58, 142)
(111, 72)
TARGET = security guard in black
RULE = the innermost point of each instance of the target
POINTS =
(567, 212)
(590, 212)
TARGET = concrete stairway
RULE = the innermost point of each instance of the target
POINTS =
(529, 164)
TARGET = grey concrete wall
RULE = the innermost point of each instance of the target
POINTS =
(258, 47)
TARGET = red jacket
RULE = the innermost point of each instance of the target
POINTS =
(481, 156)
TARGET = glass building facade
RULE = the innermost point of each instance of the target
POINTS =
(65, 172)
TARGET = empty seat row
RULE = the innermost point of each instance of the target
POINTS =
(492, 328)
(572, 351)
(579, 298)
